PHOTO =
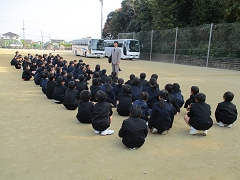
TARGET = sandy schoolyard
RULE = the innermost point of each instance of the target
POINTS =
(43, 140)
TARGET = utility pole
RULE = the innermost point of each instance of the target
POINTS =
(42, 40)
(23, 35)
(101, 15)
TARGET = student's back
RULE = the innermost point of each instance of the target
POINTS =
(59, 90)
(136, 88)
(153, 92)
(125, 101)
(178, 95)
(108, 89)
(94, 89)
(71, 96)
(50, 86)
(117, 88)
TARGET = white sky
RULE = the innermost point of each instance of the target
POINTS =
(61, 19)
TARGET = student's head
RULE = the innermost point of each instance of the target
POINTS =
(126, 89)
(228, 96)
(81, 77)
(101, 96)
(64, 73)
(40, 64)
(104, 71)
(51, 77)
(194, 90)
(58, 70)
(200, 97)
(176, 87)
(169, 88)
(26, 66)
(136, 111)
(85, 95)
(153, 83)
(131, 76)
(144, 96)
(120, 82)
(136, 82)
(154, 76)
(71, 85)
(108, 80)
(70, 75)
(142, 76)
(114, 74)
(45, 75)
(97, 67)
(163, 94)
(60, 80)
(96, 75)
(95, 81)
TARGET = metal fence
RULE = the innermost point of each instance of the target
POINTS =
(210, 45)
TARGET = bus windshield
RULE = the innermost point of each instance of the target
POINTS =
(97, 45)
(133, 45)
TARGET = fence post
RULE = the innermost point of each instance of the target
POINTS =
(151, 46)
(175, 48)
(209, 44)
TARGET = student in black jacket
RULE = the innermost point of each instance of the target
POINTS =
(226, 111)
(27, 74)
(59, 91)
(94, 88)
(134, 129)
(153, 92)
(85, 108)
(124, 101)
(171, 98)
(102, 115)
(198, 118)
(193, 92)
(71, 96)
(129, 82)
(50, 86)
(162, 115)
(136, 89)
(117, 88)
(81, 84)
(143, 81)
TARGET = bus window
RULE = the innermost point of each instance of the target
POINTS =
(133, 46)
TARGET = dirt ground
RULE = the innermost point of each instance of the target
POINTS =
(43, 140)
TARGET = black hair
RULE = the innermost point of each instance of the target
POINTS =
(97, 67)
(81, 77)
(176, 87)
(71, 84)
(114, 74)
(58, 69)
(40, 64)
(131, 76)
(51, 77)
(71, 62)
(144, 96)
(136, 111)
(45, 75)
(200, 97)
(136, 82)
(101, 96)
(153, 83)
(26, 65)
(96, 75)
(228, 96)
(60, 79)
(104, 71)
(70, 75)
(120, 82)
(80, 61)
(95, 81)
(169, 88)
(154, 76)
(163, 94)
(116, 42)
(142, 76)
(63, 72)
(85, 95)
(108, 82)
(194, 89)
(126, 89)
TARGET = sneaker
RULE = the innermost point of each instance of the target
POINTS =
(229, 125)
(132, 148)
(193, 131)
(154, 131)
(164, 132)
(107, 132)
(204, 133)
(220, 124)
(97, 132)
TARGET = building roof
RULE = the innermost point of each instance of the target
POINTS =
(10, 34)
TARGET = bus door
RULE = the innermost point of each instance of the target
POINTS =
(125, 48)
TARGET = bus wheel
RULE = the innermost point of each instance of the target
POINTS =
(130, 58)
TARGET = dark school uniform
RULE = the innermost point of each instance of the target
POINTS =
(44, 85)
(70, 69)
(80, 86)
(136, 92)
(50, 88)
(59, 93)
(161, 118)
(226, 112)
(94, 90)
(145, 110)
(172, 100)
(129, 82)
(71, 99)
(153, 96)
(85, 112)
(200, 116)
(190, 100)
(133, 131)
(103, 77)
(179, 98)
(125, 104)
(117, 89)
(27, 75)
(143, 83)
(101, 116)
(110, 94)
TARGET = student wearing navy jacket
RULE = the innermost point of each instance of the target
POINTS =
(153, 92)
(81, 84)
(117, 88)
(134, 129)
(71, 96)
(226, 111)
(143, 81)
(136, 89)
(59, 91)
(50, 86)
(172, 99)
(108, 89)
(94, 88)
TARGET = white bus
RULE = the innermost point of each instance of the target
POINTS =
(88, 47)
(130, 48)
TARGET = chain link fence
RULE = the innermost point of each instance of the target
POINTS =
(210, 45)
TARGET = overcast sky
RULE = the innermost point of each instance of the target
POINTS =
(61, 19)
